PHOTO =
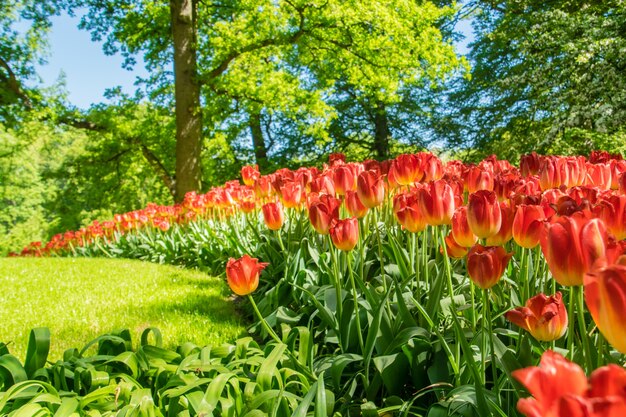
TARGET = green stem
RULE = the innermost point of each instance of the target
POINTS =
(337, 283)
(487, 307)
(582, 328)
(570, 324)
(356, 305)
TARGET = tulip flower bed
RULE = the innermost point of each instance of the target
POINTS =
(407, 287)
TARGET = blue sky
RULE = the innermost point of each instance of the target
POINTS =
(89, 72)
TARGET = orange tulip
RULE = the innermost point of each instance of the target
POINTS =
(243, 274)
(571, 244)
(605, 295)
(370, 188)
(345, 233)
(354, 206)
(453, 249)
(483, 213)
(543, 317)
(461, 231)
(273, 215)
(431, 166)
(486, 265)
(437, 202)
(528, 225)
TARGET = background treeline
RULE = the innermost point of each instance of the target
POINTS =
(283, 83)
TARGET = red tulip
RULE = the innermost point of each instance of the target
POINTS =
(322, 212)
(406, 169)
(528, 225)
(560, 389)
(486, 265)
(621, 183)
(292, 194)
(612, 210)
(598, 175)
(345, 233)
(243, 274)
(263, 187)
(249, 174)
(461, 231)
(484, 215)
(543, 317)
(432, 167)
(323, 184)
(354, 206)
(554, 379)
(344, 179)
(273, 215)
(409, 214)
(571, 244)
(605, 295)
(529, 164)
(437, 202)
(478, 178)
(505, 233)
(370, 188)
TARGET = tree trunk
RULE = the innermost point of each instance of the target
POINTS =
(258, 142)
(381, 131)
(187, 97)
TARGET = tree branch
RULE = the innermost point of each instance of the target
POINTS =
(13, 83)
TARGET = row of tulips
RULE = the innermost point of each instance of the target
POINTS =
(434, 224)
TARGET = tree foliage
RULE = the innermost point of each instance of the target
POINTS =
(546, 76)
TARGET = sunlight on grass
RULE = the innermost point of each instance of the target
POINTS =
(80, 299)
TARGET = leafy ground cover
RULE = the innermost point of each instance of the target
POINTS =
(79, 299)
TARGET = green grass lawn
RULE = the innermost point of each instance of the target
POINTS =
(80, 299)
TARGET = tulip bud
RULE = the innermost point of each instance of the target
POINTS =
(486, 265)
(273, 215)
(571, 244)
(354, 206)
(479, 179)
(292, 194)
(406, 169)
(505, 233)
(437, 202)
(453, 249)
(543, 317)
(605, 295)
(243, 274)
(483, 213)
(528, 225)
(249, 174)
(370, 188)
(345, 233)
(322, 212)
(461, 231)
